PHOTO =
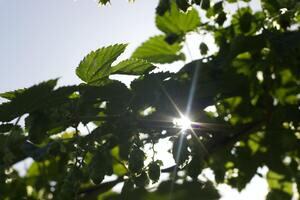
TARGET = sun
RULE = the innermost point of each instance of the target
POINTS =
(183, 122)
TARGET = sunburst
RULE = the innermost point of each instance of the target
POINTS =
(184, 123)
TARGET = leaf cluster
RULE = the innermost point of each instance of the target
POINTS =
(79, 135)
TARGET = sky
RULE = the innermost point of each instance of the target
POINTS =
(46, 39)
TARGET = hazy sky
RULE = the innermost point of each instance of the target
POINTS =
(45, 39)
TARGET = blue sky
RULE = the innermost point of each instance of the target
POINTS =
(45, 39)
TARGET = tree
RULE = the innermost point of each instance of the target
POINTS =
(252, 81)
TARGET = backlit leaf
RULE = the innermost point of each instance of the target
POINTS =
(132, 67)
(157, 50)
(178, 22)
(96, 65)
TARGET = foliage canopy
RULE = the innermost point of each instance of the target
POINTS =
(253, 81)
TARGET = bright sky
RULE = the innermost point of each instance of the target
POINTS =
(46, 39)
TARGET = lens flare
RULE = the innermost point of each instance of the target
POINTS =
(184, 123)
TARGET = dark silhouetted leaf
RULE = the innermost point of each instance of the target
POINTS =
(154, 171)
(136, 160)
(180, 149)
(27, 101)
(203, 48)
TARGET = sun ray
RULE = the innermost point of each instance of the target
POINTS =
(171, 100)
(192, 89)
(185, 124)
(177, 158)
(194, 135)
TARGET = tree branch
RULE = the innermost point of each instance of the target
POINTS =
(88, 192)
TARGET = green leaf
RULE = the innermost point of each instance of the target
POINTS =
(96, 65)
(27, 101)
(132, 67)
(118, 168)
(104, 2)
(12, 94)
(100, 166)
(33, 170)
(142, 180)
(178, 22)
(277, 182)
(37, 125)
(157, 50)
(70, 184)
(241, 44)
